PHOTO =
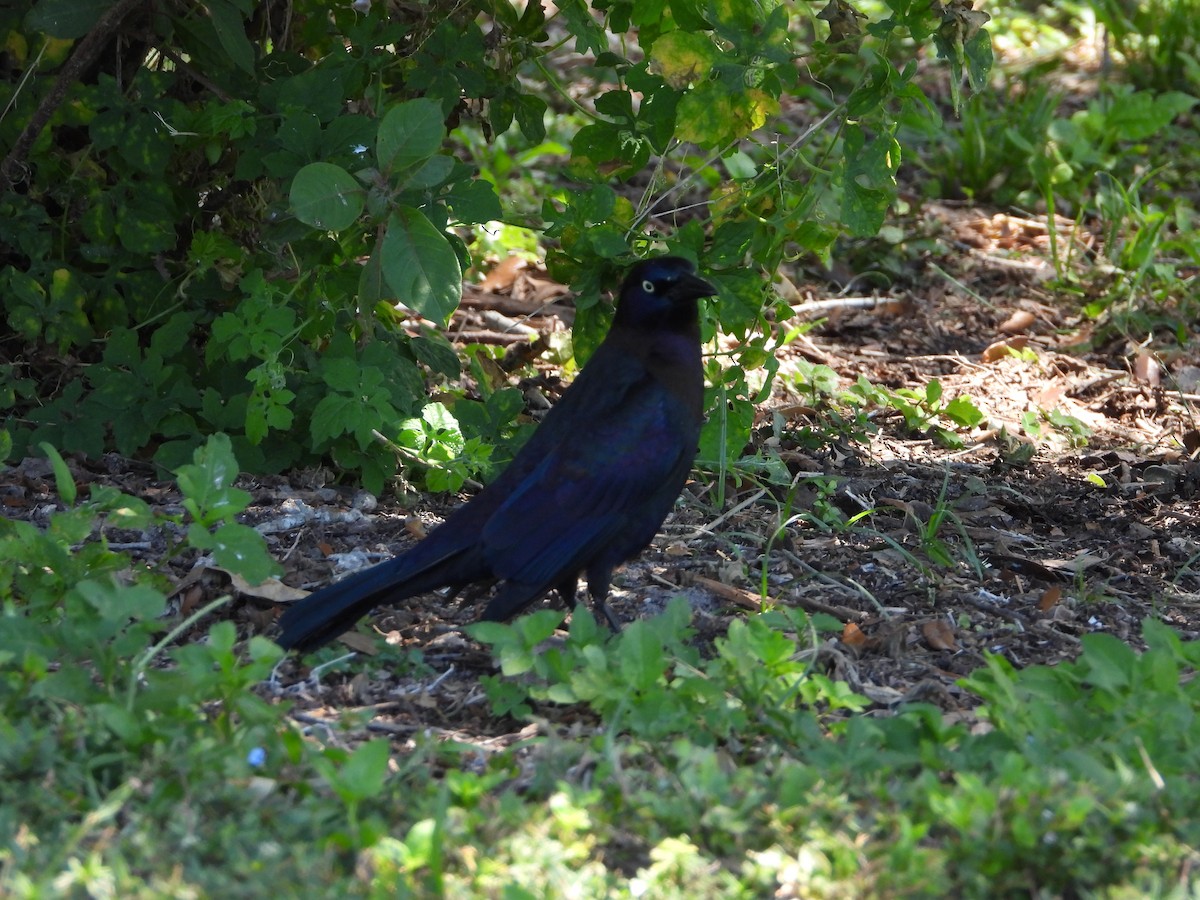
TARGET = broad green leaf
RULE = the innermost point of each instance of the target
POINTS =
(711, 115)
(963, 411)
(872, 93)
(66, 18)
(332, 417)
(342, 373)
(641, 656)
(326, 196)
(231, 32)
(978, 51)
(363, 774)
(1110, 661)
(531, 114)
(726, 432)
(122, 602)
(207, 482)
(434, 351)
(683, 58)
(869, 184)
(410, 133)
(1140, 115)
(420, 265)
(241, 549)
(432, 172)
(589, 36)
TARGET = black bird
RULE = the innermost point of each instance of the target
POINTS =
(587, 491)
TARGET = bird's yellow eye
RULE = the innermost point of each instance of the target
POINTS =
(648, 286)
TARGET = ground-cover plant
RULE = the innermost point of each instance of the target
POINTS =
(137, 767)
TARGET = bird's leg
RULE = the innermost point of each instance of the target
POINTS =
(609, 616)
(566, 592)
(598, 589)
(470, 592)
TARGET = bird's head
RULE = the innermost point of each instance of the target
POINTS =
(661, 293)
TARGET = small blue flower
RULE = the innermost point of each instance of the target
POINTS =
(256, 757)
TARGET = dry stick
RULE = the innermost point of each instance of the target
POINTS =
(184, 66)
(820, 307)
(86, 53)
(498, 338)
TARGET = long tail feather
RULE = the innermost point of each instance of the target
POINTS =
(325, 614)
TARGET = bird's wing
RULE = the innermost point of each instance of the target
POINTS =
(591, 485)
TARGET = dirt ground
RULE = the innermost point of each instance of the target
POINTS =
(1033, 544)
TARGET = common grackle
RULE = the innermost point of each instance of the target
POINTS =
(587, 491)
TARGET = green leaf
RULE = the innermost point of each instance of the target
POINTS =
(207, 482)
(871, 94)
(683, 58)
(66, 18)
(420, 265)
(241, 549)
(978, 51)
(589, 36)
(326, 196)
(711, 114)
(641, 657)
(1110, 661)
(333, 416)
(726, 432)
(474, 202)
(121, 602)
(231, 32)
(963, 411)
(363, 774)
(63, 481)
(432, 172)
(531, 112)
(434, 351)
(869, 183)
(1141, 115)
(409, 134)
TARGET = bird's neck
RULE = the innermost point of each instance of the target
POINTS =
(676, 347)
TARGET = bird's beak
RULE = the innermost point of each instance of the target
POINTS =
(693, 287)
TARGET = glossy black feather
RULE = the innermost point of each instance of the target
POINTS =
(587, 491)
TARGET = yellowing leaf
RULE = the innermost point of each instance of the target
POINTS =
(710, 115)
(682, 58)
(754, 110)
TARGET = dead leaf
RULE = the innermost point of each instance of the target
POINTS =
(191, 600)
(939, 635)
(272, 589)
(1050, 597)
(852, 636)
(1000, 349)
(503, 274)
(1146, 369)
(1020, 321)
(360, 642)
(843, 20)
(1049, 396)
